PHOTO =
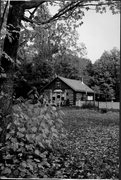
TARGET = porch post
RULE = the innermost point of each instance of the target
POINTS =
(86, 95)
(74, 100)
(94, 97)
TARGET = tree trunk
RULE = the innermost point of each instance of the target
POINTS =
(8, 60)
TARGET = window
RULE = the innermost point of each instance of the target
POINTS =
(89, 98)
(53, 98)
(58, 96)
(58, 84)
(62, 98)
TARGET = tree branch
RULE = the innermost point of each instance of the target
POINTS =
(29, 20)
(33, 3)
(32, 14)
(67, 8)
(70, 7)
(2, 18)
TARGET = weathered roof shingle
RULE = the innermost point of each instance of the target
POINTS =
(76, 85)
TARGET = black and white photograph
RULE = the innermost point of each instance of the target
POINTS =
(60, 89)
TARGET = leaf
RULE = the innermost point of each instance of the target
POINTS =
(13, 140)
(22, 174)
(54, 130)
(37, 160)
(24, 164)
(3, 75)
(16, 122)
(44, 135)
(18, 62)
(43, 124)
(34, 129)
(8, 127)
(22, 129)
(30, 166)
(8, 156)
(6, 171)
(16, 173)
(41, 145)
(55, 135)
(46, 130)
(37, 152)
(60, 121)
(40, 166)
(2, 93)
(20, 135)
(48, 143)
(28, 137)
(15, 146)
(54, 108)
(50, 122)
(38, 138)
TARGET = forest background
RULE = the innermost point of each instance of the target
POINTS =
(53, 49)
(34, 49)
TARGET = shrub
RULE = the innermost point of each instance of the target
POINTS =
(29, 139)
(104, 110)
(88, 105)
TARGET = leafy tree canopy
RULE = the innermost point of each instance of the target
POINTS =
(104, 74)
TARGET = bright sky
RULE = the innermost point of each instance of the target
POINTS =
(99, 32)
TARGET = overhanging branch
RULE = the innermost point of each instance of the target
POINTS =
(70, 7)
(61, 12)
(33, 3)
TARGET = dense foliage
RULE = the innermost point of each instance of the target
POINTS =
(29, 137)
(104, 75)
(40, 72)
(89, 149)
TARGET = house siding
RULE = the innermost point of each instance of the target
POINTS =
(58, 90)
(70, 96)
(67, 92)
(80, 96)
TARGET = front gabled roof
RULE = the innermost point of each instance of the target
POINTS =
(76, 85)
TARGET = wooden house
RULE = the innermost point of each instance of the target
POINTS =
(64, 91)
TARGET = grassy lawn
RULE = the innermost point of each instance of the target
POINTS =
(92, 143)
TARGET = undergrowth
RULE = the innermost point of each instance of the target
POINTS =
(43, 142)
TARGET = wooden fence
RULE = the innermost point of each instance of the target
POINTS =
(101, 105)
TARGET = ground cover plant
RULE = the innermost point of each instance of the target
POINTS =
(29, 139)
(93, 139)
(82, 144)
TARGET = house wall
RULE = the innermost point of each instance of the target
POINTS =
(67, 92)
(69, 95)
(81, 98)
